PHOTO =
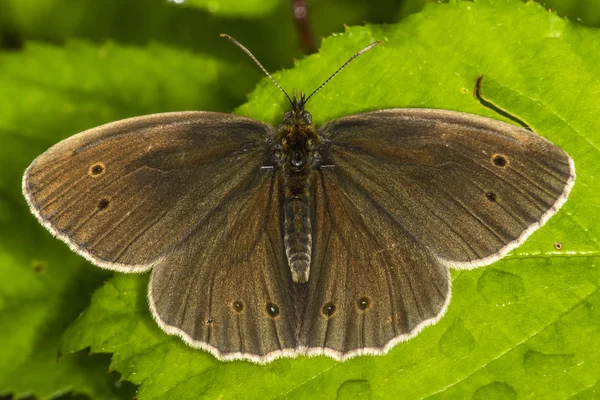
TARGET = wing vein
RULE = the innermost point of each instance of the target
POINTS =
(194, 227)
(426, 204)
(387, 271)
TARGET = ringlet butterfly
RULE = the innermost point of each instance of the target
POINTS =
(273, 242)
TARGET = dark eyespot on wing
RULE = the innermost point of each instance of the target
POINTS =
(103, 204)
(238, 306)
(491, 196)
(96, 169)
(364, 303)
(500, 160)
(272, 310)
(328, 309)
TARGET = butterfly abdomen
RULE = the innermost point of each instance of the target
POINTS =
(297, 230)
(296, 205)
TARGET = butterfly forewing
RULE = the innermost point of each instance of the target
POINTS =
(125, 193)
(469, 188)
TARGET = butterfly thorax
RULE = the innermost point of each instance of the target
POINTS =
(297, 137)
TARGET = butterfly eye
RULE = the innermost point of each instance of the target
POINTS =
(288, 118)
(307, 117)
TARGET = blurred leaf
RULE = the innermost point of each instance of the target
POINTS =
(140, 23)
(527, 325)
(271, 36)
(247, 8)
(43, 288)
(586, 12)
(49, 93)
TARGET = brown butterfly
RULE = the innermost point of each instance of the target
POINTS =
(271, 242)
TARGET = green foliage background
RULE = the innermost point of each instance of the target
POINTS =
(527, 326)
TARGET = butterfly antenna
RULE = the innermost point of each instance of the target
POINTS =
(241, 46)
(369, 47)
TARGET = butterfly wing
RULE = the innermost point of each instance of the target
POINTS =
(400, 196)
(469, 188)
(123, 194)
(372, 282)
(226, 287)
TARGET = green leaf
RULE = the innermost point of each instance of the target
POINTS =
(526, 326)
(49, 93)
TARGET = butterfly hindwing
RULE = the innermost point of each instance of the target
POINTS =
(226, 287)
(372, 282)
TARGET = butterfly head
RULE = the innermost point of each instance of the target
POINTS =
(298, 118)
(297, 115)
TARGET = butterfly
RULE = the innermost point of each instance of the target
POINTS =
(269, 242)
